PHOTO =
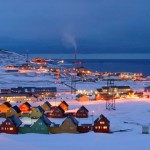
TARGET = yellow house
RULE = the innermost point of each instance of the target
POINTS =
(83, 98)
(69, 125)
(4, 107)
(37, 112)
(46, 106)
(13, 111)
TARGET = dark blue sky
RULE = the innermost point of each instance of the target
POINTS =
(56, 26)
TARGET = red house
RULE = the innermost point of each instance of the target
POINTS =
(82, 112)
(55, 112)
(101, 124)
(10, 125)
(84, 128)
(25, 107)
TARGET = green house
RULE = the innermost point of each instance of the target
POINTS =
(40, 126)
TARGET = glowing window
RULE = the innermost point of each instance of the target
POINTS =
(95, 127)
(104, 127)
(11, 128)
(102, 122)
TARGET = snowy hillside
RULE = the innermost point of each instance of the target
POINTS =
(10, 58)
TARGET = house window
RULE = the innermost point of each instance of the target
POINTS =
(11, 129)
(2, 128)
(102, 122)
(104, 127)
(95, 127)
(40, 123)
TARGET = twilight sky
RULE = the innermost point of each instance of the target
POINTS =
(57, 26)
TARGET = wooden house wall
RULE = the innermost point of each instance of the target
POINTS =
(68, 126)
(84, 129)
(24, 108)
(55, 130)
(12, 112)
(83, 99)
(98, 127)
(10, 129)
(81, 113)
(4, 108)
(35, 114)
(63, 106)
(45, 107)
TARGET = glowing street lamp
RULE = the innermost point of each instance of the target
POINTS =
(92, 117)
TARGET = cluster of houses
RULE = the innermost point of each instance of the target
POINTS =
(21, 94)
(109, 92)
(26, 110)
(70, 124)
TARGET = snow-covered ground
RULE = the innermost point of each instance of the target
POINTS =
(134, 111)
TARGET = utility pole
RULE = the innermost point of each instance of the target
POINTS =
(110, 102)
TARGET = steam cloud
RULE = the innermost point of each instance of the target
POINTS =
(69, 40)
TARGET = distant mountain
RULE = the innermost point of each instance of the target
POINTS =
(2, 51)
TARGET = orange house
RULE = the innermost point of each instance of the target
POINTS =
(83, 98)
(63, 105)
(4, 107)
(25, 107)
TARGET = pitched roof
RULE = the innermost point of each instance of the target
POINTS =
(45, 120)
(40, 109)
(64, 102)
(48, 104)
(15, 120)
(73, 119)
(7, 104)
(82, 107)
(27, 104)
(16, 108)
(101, 117)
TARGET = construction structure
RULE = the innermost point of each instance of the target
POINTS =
(110, 103)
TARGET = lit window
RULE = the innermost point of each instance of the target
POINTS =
(102, 122)
(105, 127)
(95, 127)
(11, 128)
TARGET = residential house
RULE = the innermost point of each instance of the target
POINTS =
(82, 98)
(46, 106)
(4, 107)
(55, 112)
(69, 125)
(82, 112)
(101, 124)
(40, 126)
(83, 128)
(10, 125)
(13, 111)
(37, 112)
(25, 107)
(64, 105)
